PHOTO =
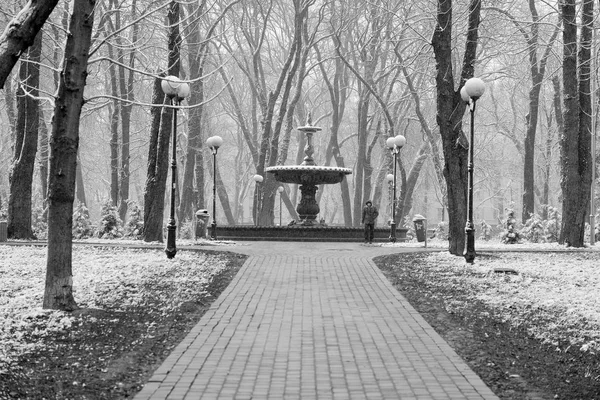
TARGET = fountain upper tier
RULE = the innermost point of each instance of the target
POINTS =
(308, 174)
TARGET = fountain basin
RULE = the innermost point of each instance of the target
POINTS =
(308, 174)
(308, 177)
(301, 233)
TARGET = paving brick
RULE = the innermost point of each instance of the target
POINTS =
(313, 324)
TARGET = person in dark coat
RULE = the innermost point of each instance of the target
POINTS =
(369, 215)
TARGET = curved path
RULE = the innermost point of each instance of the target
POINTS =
(313, 321)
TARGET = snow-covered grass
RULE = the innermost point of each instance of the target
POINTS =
(495, 244)
(555, 295)
(113, 279)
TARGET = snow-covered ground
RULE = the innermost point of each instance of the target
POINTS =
(556, 292)
(103, 278)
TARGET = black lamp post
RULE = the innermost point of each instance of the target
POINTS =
(176, 90)
(258, 179)
(470, 93)
(280, 190)
(390, 180)
(394, 144)
(214, 142)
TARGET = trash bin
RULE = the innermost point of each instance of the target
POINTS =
(202, 217)
(3, 231)
(420, 223)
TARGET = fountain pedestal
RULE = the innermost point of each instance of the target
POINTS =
(308, 208)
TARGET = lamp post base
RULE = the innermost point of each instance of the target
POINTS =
(469, 252)
(393, 232)
(213, 231)
(171, 248)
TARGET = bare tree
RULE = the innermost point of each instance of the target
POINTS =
(28, 120)
(58, 293)
(338, 94)
(199, 42)
(450, 110)
(537, 70)
(21, 32)
(156, 177)
(273, 97)
(575, 140)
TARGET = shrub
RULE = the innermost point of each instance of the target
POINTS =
(552, 225)
(135, 221)
(441, 230)
(539, 230)
(408, 224)
(486, 231)
(186, 230)
(39, 222)
(111, 226)
(533, 230)
(82, 226)
(510, 234)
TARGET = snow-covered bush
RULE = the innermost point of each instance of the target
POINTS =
(552, 225)
(510, 234)
(110, 226)
(186, 230)
(82, 226)
(486, 231)
(135, 221)
(408, 224)
(39, 223)
(533, 230)
(539, 230)
(441, 230)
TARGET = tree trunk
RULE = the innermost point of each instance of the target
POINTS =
(537, 71)
(339, 160)
(359, 171)
(435, 152)
(192, 196)
(21, 32)
(529, 148)
(58, 293)
(192, 192)
(450, 110)
(79, 186)
(44, 151)
(411, 183)
(192, 187)
(114, 142)
(556, 105)
(222, 193)
(575, 141)
(114, 127)
(158, 155)
(21, 175)
(126, 94)
(338, 95)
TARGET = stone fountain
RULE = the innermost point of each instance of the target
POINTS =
(308, 175)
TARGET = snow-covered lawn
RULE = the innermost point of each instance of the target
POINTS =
(555, 295)
(103, 278)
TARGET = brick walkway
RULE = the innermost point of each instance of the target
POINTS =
(317, 326)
